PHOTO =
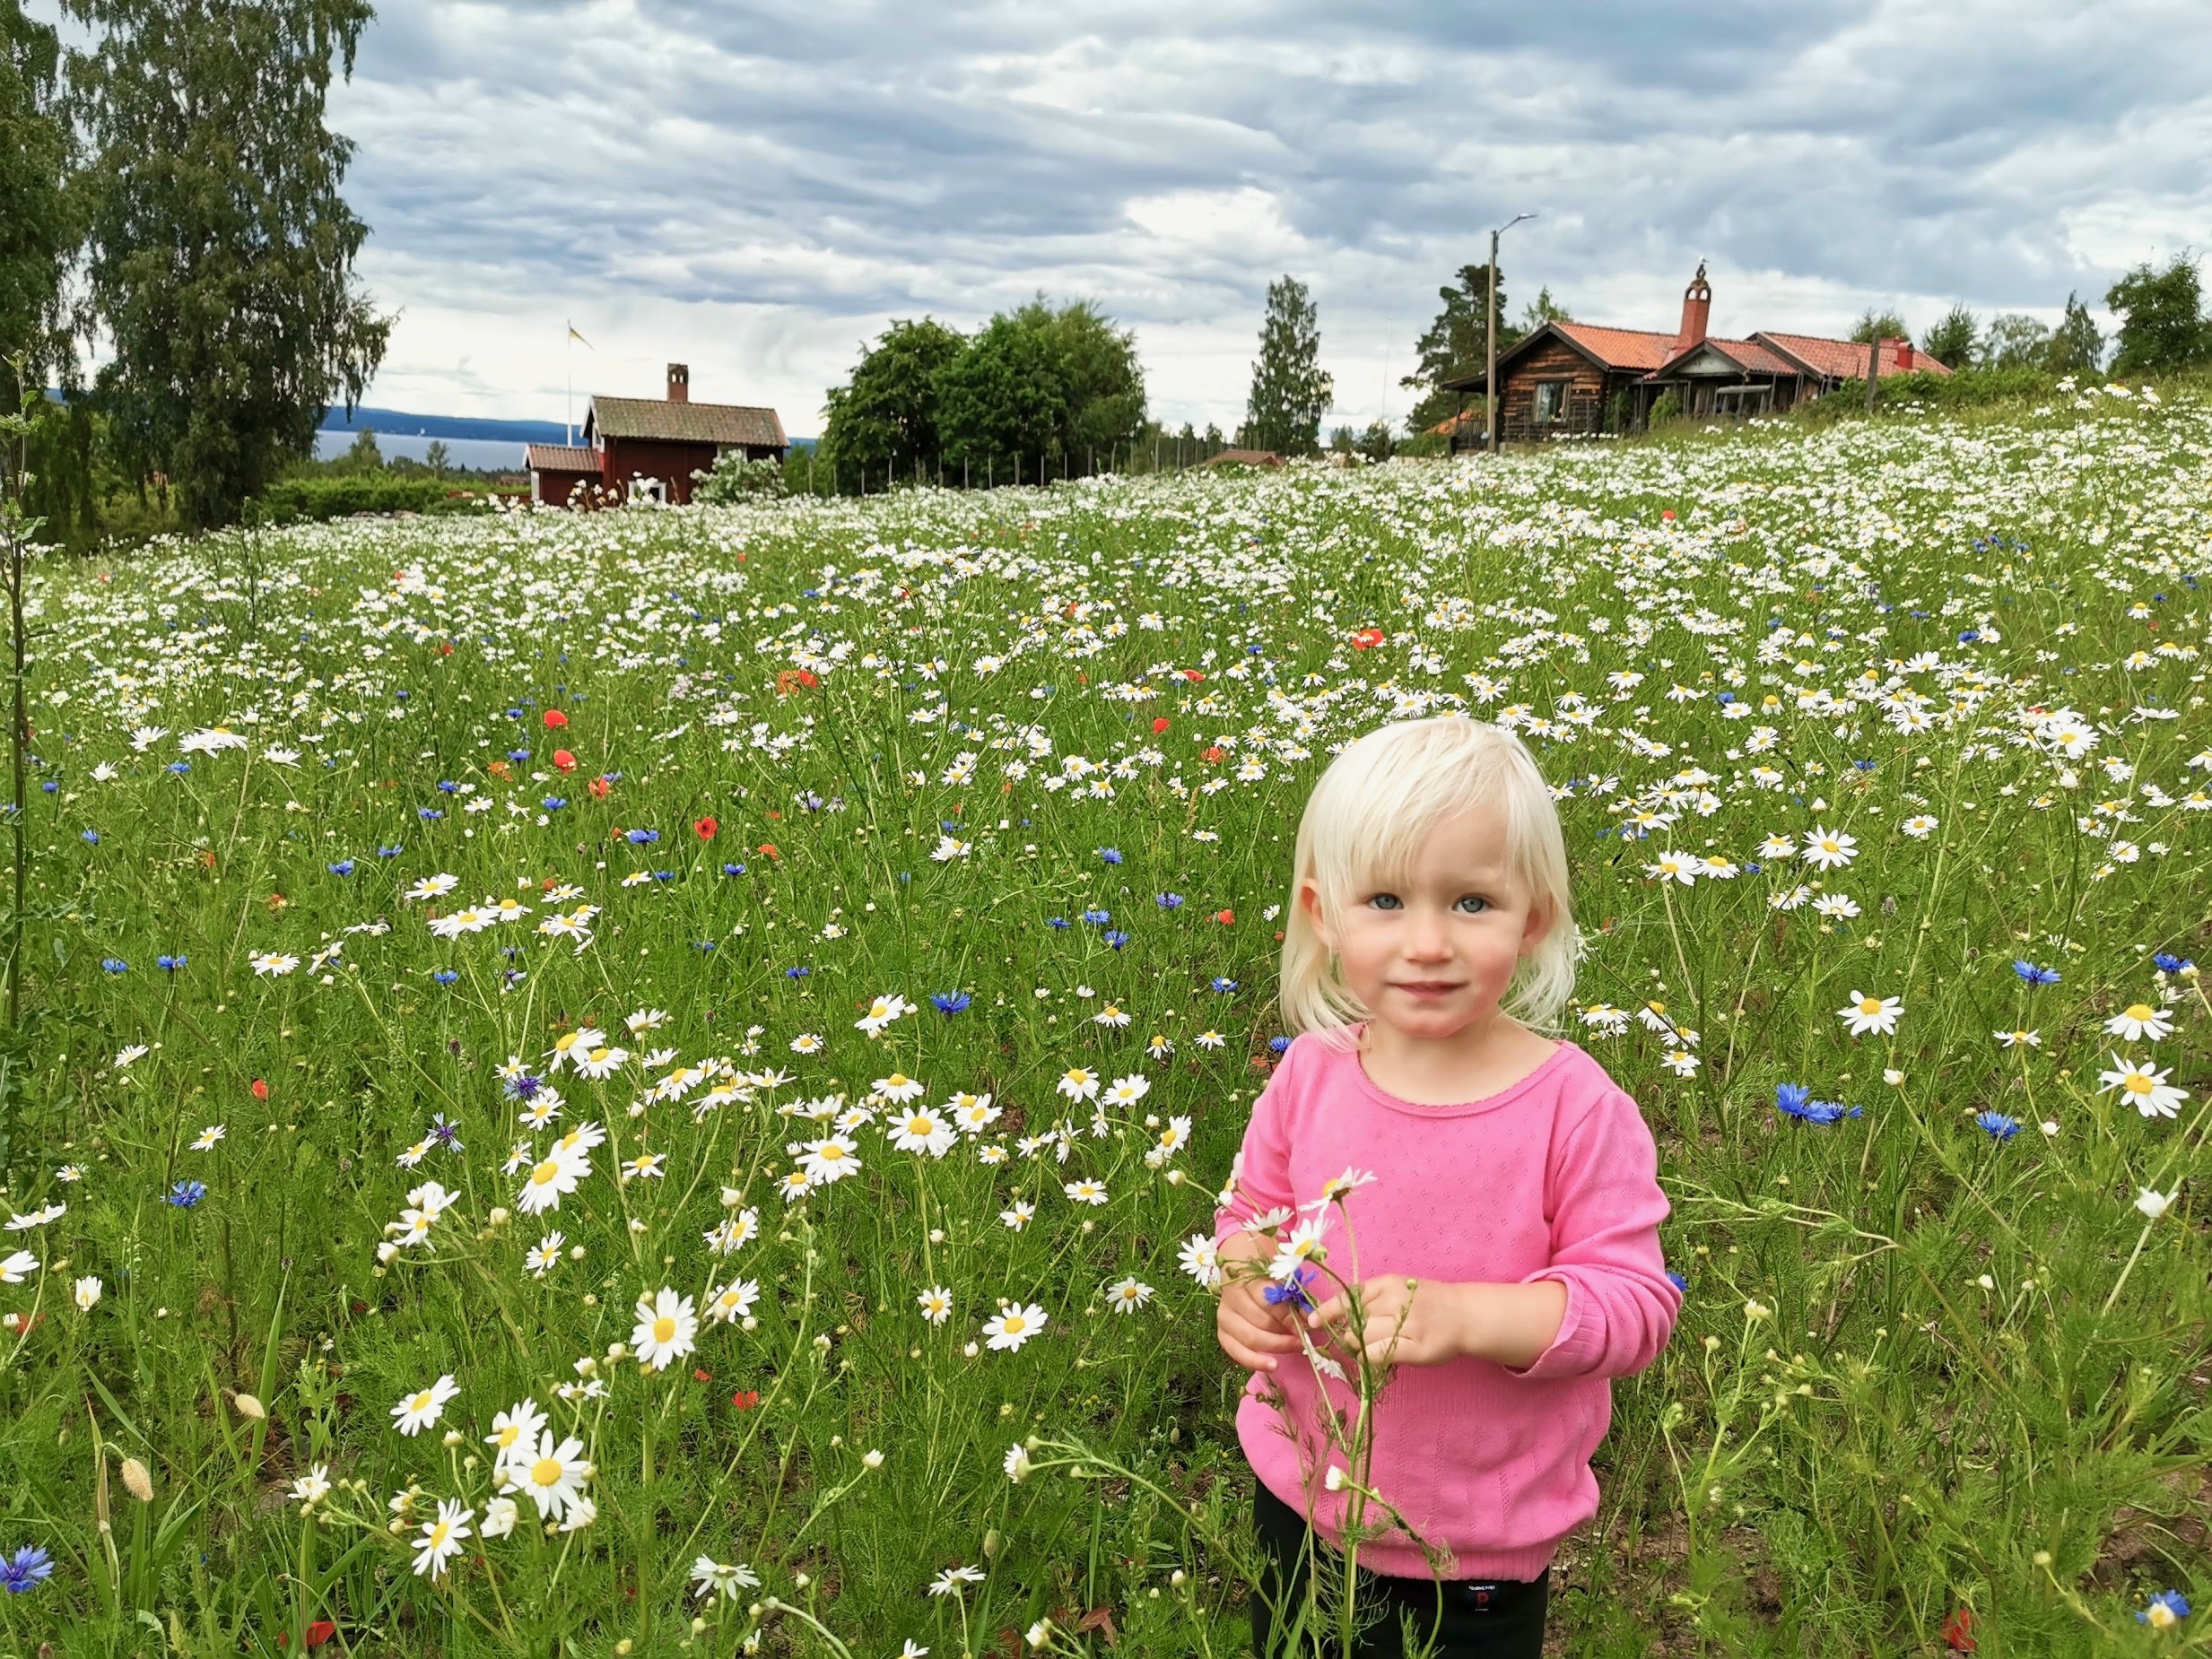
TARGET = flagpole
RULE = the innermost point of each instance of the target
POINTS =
(569, 343)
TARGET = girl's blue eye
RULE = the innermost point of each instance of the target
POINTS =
(1384, 901)
(1479, 905)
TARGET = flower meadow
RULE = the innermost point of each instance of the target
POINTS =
(657, 1082)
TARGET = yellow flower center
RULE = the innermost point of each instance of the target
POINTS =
(664, 1329)
(1870, 1005)
(2141, 1012)
(2137, 1083)
(545, 1471)
(897, 1080)
(421, 1402)
(1014, 1322)
(510, 1435)
(439, 1533)
(543, 1174)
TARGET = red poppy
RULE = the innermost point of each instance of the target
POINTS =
(1956, 1628)
(1367, 636)
(261, 1089)
(1160, 725)
(1213, 752)
(444, 647)
(704, 829)
(702, 1376)
(317, 1633)
(768, 850)
(1224, 917)
(599, 786)
(1193, 675)
(745, 1399)
(1669, 517)
(563, 761)
(555, 720)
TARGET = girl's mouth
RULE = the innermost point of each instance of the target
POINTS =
(1427, 987)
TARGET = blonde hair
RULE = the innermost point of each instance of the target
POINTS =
(1368, 816)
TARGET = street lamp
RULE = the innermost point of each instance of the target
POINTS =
(1490, 376)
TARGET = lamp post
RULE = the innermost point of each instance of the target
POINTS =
(1490, 375)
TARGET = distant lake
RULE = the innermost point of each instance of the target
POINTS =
(482, 453)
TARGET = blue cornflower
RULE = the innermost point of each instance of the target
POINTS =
(1968, 637)
(1278, 1045)
(344, 866)
(797, 973)
(1792, 1098)
(92, 838)
(1168, 901)
(179, 766)
(1221, 983)
(186, 1193)
(446, 1134)
(2034, 975)
(1678, 1282)
(1114, 937)
(2001, 1127)
(170, 964)
(428, 814)
(1296, 1290)
(664, 875)
(445, 975)
(2168, 963)
(517, 755)
(641, 838)
(950, 1001)
(114, 965)
(50, 787)
(1095, 915)
(732, 869)
(446, 787)
(703, 944)
(392, 851)
(524, 1086)
(2170, 1602)
(28, 1568)
(1110, 855)
(555, 803)
(514, 714)
(1057, 921)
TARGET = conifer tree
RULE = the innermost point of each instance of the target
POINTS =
(1289, 390)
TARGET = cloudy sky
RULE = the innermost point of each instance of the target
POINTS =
(756, 188)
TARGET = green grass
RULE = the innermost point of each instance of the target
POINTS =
(1919, 1368)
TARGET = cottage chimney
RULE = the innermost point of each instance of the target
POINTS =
(1696, 309)
(679, 383)
(1905, 365)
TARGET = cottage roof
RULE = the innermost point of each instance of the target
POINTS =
(1607, 348)
(1748, 355)
(561, 458)
(1843, 359)
(1244, 457)
(654, 418)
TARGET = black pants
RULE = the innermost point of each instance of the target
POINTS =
(1495, 1618)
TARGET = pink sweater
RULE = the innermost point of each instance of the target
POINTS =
(1555, 1177)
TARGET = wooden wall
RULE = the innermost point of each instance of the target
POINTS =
(1588, 390)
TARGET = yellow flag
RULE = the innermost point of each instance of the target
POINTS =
(574, 336)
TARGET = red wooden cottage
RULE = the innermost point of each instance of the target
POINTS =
(637, 448)
(1568, 377)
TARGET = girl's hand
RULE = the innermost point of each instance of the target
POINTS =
(1432, 1327)
(1251, 1330)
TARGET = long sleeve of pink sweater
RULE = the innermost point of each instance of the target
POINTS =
(1555, 1177)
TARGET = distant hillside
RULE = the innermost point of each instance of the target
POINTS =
(397, 422)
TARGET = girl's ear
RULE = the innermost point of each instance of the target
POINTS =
(1309, 901)
(1538, 927)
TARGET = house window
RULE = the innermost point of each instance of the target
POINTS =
(1551, 400)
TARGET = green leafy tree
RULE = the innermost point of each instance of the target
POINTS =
(2162, 322)
(219, 251)
(1540, 310)
(362, 456)
(2076, 346)
(437, 459)
(1951, 342)
(2016, 340)
(1455, 341)
(1002, 403)
(885, 419)
(36, 231)
(1290, 389)
(1874, 326)
(1101, 381)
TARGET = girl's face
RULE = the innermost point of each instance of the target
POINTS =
(1433, 955)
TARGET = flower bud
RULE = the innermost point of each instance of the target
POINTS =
(137, 1481)
(248, 1406)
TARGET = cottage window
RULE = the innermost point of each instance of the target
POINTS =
(1551, 400)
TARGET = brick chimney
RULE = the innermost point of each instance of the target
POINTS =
(1696, 309)
(1905, 364)
(679, 383)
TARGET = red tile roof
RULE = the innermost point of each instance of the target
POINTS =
(1748, 355)
(1620, 348)
(561, 458)
(1844, 360)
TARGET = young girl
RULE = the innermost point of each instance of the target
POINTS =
(1508, 1251)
